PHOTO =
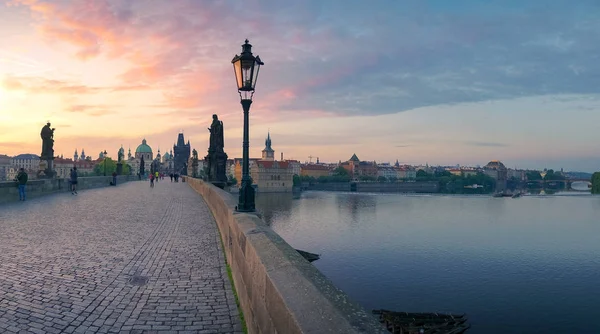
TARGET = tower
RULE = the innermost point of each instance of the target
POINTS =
(181, 156)
(268, 153)
(129, 154)
(82, 157)
(75, 156)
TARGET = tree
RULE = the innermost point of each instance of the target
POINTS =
(340, 171)
(551, 175)
(596, 183)
(534, 175)
(126, 169)
(393, 179)
(382, 179)
(297, 180)
(110, 164)
(421, 174)
(367, 178)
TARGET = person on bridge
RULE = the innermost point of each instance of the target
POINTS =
(73, 180)
(114, 175)
(151, 180)
(156, 176)
(22, 181)
(171, 175)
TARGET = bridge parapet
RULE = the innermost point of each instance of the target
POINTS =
(279, 291)
(36, 188)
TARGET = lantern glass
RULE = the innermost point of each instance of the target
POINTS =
(257, 64)
(237, 69)
(247, 67)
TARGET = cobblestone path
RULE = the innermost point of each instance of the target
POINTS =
(126, 259)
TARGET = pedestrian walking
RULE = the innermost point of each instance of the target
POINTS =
(171, 175)
(151, 180)
(114, 175)
(73, 179)
(22, 181)
(156, 176)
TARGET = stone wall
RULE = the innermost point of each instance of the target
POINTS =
(35, 188)
(279, 291)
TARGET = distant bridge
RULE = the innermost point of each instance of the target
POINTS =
(567, 182)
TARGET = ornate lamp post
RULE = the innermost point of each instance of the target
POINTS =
(245, 67)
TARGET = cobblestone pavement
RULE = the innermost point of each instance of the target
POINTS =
(126, 259)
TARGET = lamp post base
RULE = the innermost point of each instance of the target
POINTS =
(246, 201)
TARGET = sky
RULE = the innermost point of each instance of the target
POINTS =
(438, 82)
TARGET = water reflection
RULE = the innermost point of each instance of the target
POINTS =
(272, 204)
(354, 208)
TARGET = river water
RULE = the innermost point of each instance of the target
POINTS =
(526, 265)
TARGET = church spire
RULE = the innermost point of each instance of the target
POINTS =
(268, 153)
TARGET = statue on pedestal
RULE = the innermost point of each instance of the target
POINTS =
(47, 156)
(120, 156)
(142, 167)
(216, 158)
(194, 163)
(47, 135)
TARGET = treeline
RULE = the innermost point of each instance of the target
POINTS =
(110, 166)
(596, 183)
(449, 183)
(455, 184)
(551, 175)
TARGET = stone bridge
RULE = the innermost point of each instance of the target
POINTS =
(568, 183)
(113, 260)
(135, 259)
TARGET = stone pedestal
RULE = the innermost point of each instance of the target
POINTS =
(217, 165)
(195, 168)
(119, 168)
(46, 169)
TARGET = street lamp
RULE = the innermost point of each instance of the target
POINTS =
(245, 67)
(105, 162)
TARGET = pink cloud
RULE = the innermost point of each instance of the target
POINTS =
(183, 48)
(44, 85)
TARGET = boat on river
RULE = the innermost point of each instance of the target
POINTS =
(417, 323)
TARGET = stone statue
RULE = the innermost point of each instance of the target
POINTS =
(142, 167)
(216, 158)
(121, 154)
(194, 163)
(216, 135)
(47, 135)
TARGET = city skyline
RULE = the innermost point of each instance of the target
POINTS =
(422, 82)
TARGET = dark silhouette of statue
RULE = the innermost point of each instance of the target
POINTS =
(47, 135)
(142, 167)
(216, 135)
(216, 158)
(194, 163)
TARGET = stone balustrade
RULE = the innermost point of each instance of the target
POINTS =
(279, 291)
(34, 188)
